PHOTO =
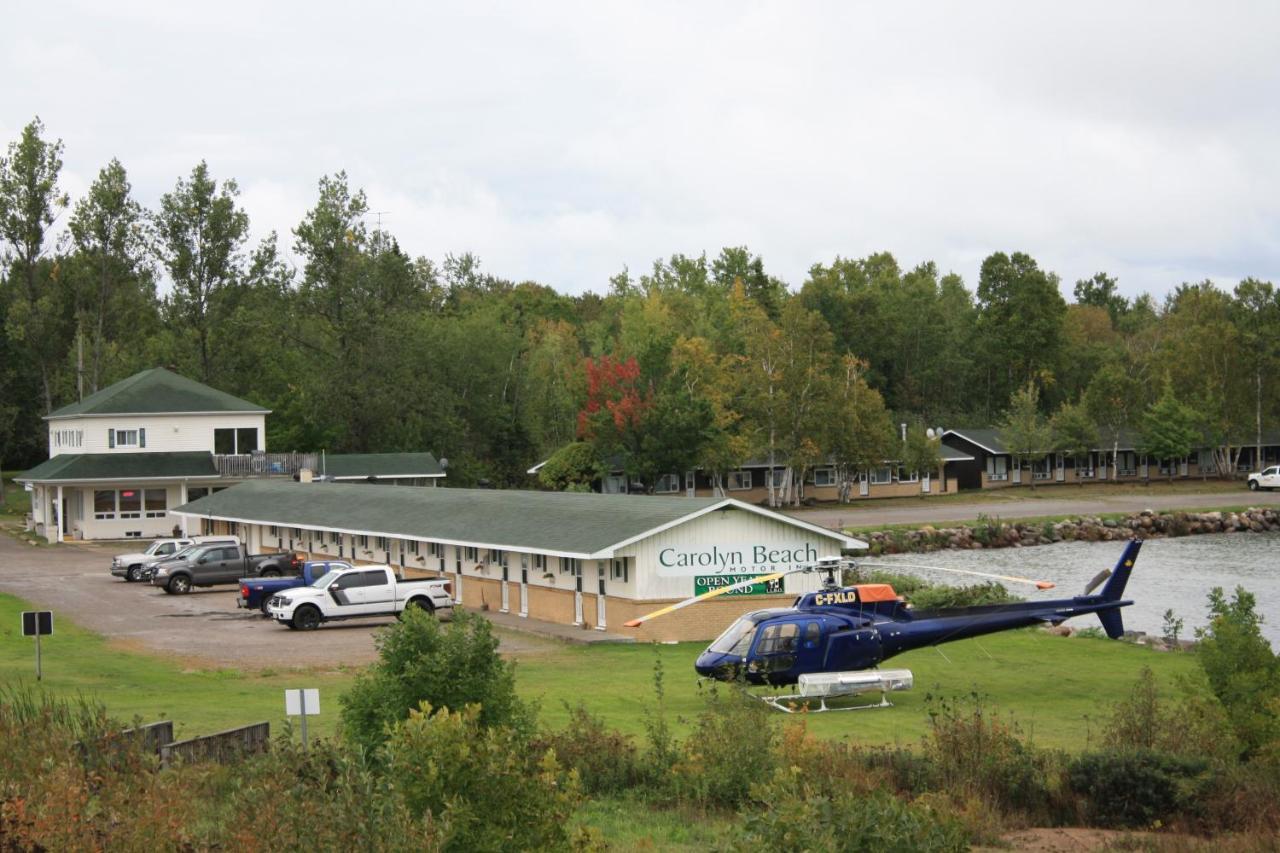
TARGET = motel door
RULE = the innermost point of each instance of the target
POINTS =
(1145, 469)
(862, 484)
(690, 485)
(457, 574)
(1017, 473)
(506, 590)
(577, 594)
(524, 591)
(1061, 473)
(600, 608)
(924, 483)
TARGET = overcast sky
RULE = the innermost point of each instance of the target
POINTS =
(561, 142)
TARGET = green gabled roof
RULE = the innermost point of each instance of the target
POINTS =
(381, 465)
(73, 467)
(571, 524)
(156, 391)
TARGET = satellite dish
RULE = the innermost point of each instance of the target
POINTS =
(938, 430)
(929, 433)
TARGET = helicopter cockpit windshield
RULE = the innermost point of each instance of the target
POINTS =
(737, 639)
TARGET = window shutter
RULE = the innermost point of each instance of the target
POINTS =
(142, 437)
(111, 438)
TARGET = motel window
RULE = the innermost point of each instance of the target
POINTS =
(739, 480)
(472, 554)
(362, 540)
(905, 476)
(779, 475)
(196, 492)
(383, 544)
(997, 467)
(570, 565)
(667, 484)
(131, 503)
(412, 546)
(335, 538)
(540, 562)
(881, 476)
(233, 528)
(1128, 463)
(104, 504)
(297, 533)
(619, 572)
(1041, 469)
(273, 530)
(126, 438)
(231, 441)
(615, 484)
(156, 502)
(824, 476)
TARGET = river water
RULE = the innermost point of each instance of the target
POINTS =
(1170, 573)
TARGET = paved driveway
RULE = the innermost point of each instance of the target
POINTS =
(1062, 502)
(204, 627)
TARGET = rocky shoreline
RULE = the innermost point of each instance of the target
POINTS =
(994, 533)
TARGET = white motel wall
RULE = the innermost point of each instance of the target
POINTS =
(601, 589)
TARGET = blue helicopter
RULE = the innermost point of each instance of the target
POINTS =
(839, 631)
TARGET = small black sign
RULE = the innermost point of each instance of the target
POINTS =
(37, 622)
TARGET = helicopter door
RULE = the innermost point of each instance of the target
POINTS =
(850, 650)
(776, 648)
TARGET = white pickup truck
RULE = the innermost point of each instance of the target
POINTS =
(357, 593)
(1268, 479)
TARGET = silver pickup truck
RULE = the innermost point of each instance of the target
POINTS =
(356, 593)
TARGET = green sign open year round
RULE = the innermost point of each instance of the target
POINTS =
(706, 583)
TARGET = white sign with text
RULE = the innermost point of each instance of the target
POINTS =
(737, 558)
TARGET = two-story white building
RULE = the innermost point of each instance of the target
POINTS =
(121, 459)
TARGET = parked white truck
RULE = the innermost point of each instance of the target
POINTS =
(358, 593)
(1269, 478)
(129, 566)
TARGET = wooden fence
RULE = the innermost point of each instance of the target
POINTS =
(265, 464)
(223, 747)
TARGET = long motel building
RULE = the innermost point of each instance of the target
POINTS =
(589, 560)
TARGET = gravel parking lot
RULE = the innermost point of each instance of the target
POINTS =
(204, 627)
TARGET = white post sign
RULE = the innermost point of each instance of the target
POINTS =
(302, 703)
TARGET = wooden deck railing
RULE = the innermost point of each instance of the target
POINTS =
(264, 464)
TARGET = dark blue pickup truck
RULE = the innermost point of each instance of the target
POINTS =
(256, 592)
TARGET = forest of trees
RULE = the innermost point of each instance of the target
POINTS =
(700, 360)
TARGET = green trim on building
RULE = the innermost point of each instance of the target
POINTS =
(75, 467)
(570, 524)
(381, 465)
(156, 391)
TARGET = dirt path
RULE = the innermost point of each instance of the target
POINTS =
(1058, 501)
(205, 627)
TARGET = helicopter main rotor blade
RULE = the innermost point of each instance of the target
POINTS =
(1010, 578)
(1097, 579)
(755, 579)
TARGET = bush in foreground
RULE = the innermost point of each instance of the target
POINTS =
(448, 665)
(483, 782)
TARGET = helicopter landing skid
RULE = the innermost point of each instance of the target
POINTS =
(840, 685)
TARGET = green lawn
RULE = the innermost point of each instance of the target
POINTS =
(1056, 689)
(17, 501)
